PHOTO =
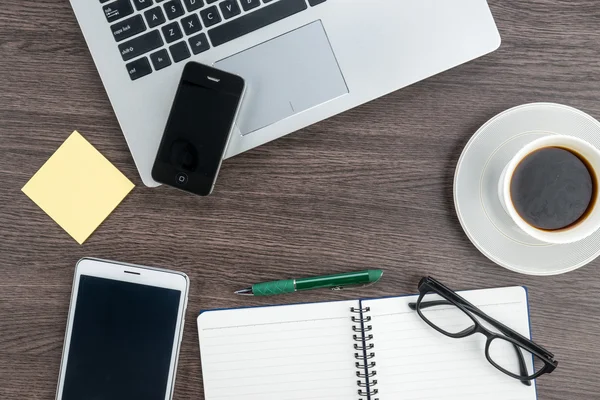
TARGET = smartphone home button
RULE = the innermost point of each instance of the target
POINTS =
(181, 178)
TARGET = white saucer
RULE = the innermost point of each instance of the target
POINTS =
(479, 210)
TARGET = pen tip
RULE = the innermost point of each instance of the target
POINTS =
(244, 292)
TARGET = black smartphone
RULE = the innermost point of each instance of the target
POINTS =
(198, 129)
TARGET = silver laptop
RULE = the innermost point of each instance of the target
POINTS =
(303, 60)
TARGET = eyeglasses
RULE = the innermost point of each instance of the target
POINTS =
(452, 315)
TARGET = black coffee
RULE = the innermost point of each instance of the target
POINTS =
(553, 188)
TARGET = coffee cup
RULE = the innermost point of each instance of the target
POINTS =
(550, 189)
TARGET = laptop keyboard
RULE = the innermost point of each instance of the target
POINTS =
(154, 34)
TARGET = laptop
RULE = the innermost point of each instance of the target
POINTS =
(303, 60)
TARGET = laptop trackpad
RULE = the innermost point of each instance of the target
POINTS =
(286, 75)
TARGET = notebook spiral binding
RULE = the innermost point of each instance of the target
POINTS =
(364, 354)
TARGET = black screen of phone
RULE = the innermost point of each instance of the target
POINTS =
(196, 135)
(121, 342)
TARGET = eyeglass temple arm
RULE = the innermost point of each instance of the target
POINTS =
(522, 365)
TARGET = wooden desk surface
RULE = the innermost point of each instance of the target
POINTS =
(369, 188)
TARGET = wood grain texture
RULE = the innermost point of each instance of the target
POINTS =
(369, 188)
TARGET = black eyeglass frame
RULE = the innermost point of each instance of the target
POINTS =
(429, 285)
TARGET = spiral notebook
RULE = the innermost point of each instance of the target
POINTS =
(362, 349)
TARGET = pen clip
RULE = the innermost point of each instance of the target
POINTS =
(338, 288)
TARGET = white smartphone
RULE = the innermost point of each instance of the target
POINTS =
(123, 333)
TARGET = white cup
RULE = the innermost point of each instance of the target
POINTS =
(579, 231)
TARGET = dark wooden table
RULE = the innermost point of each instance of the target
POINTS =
(369, 188)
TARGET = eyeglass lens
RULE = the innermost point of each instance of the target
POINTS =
(503, 354)
(444, 315)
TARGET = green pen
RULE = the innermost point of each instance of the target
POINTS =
(335, 282)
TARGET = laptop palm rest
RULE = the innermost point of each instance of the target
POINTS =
(285, 75)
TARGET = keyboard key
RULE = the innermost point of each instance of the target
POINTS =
(255, 20)
(199, 43)
(211, 1)
(174, 9)
(210, 16)
(160, 59)
(315, 2)
(191, 24)
(172, 32)
(140, 45)
(138, 68)
(155, 17)
(142, 4)
(250, 4)
(117, 10)
(193, 5)
(229, 8)
(180, 51)
(128, 28)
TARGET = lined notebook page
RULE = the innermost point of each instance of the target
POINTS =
(285, 352)
(415, 362)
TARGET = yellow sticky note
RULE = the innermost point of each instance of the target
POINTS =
(78, 187)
